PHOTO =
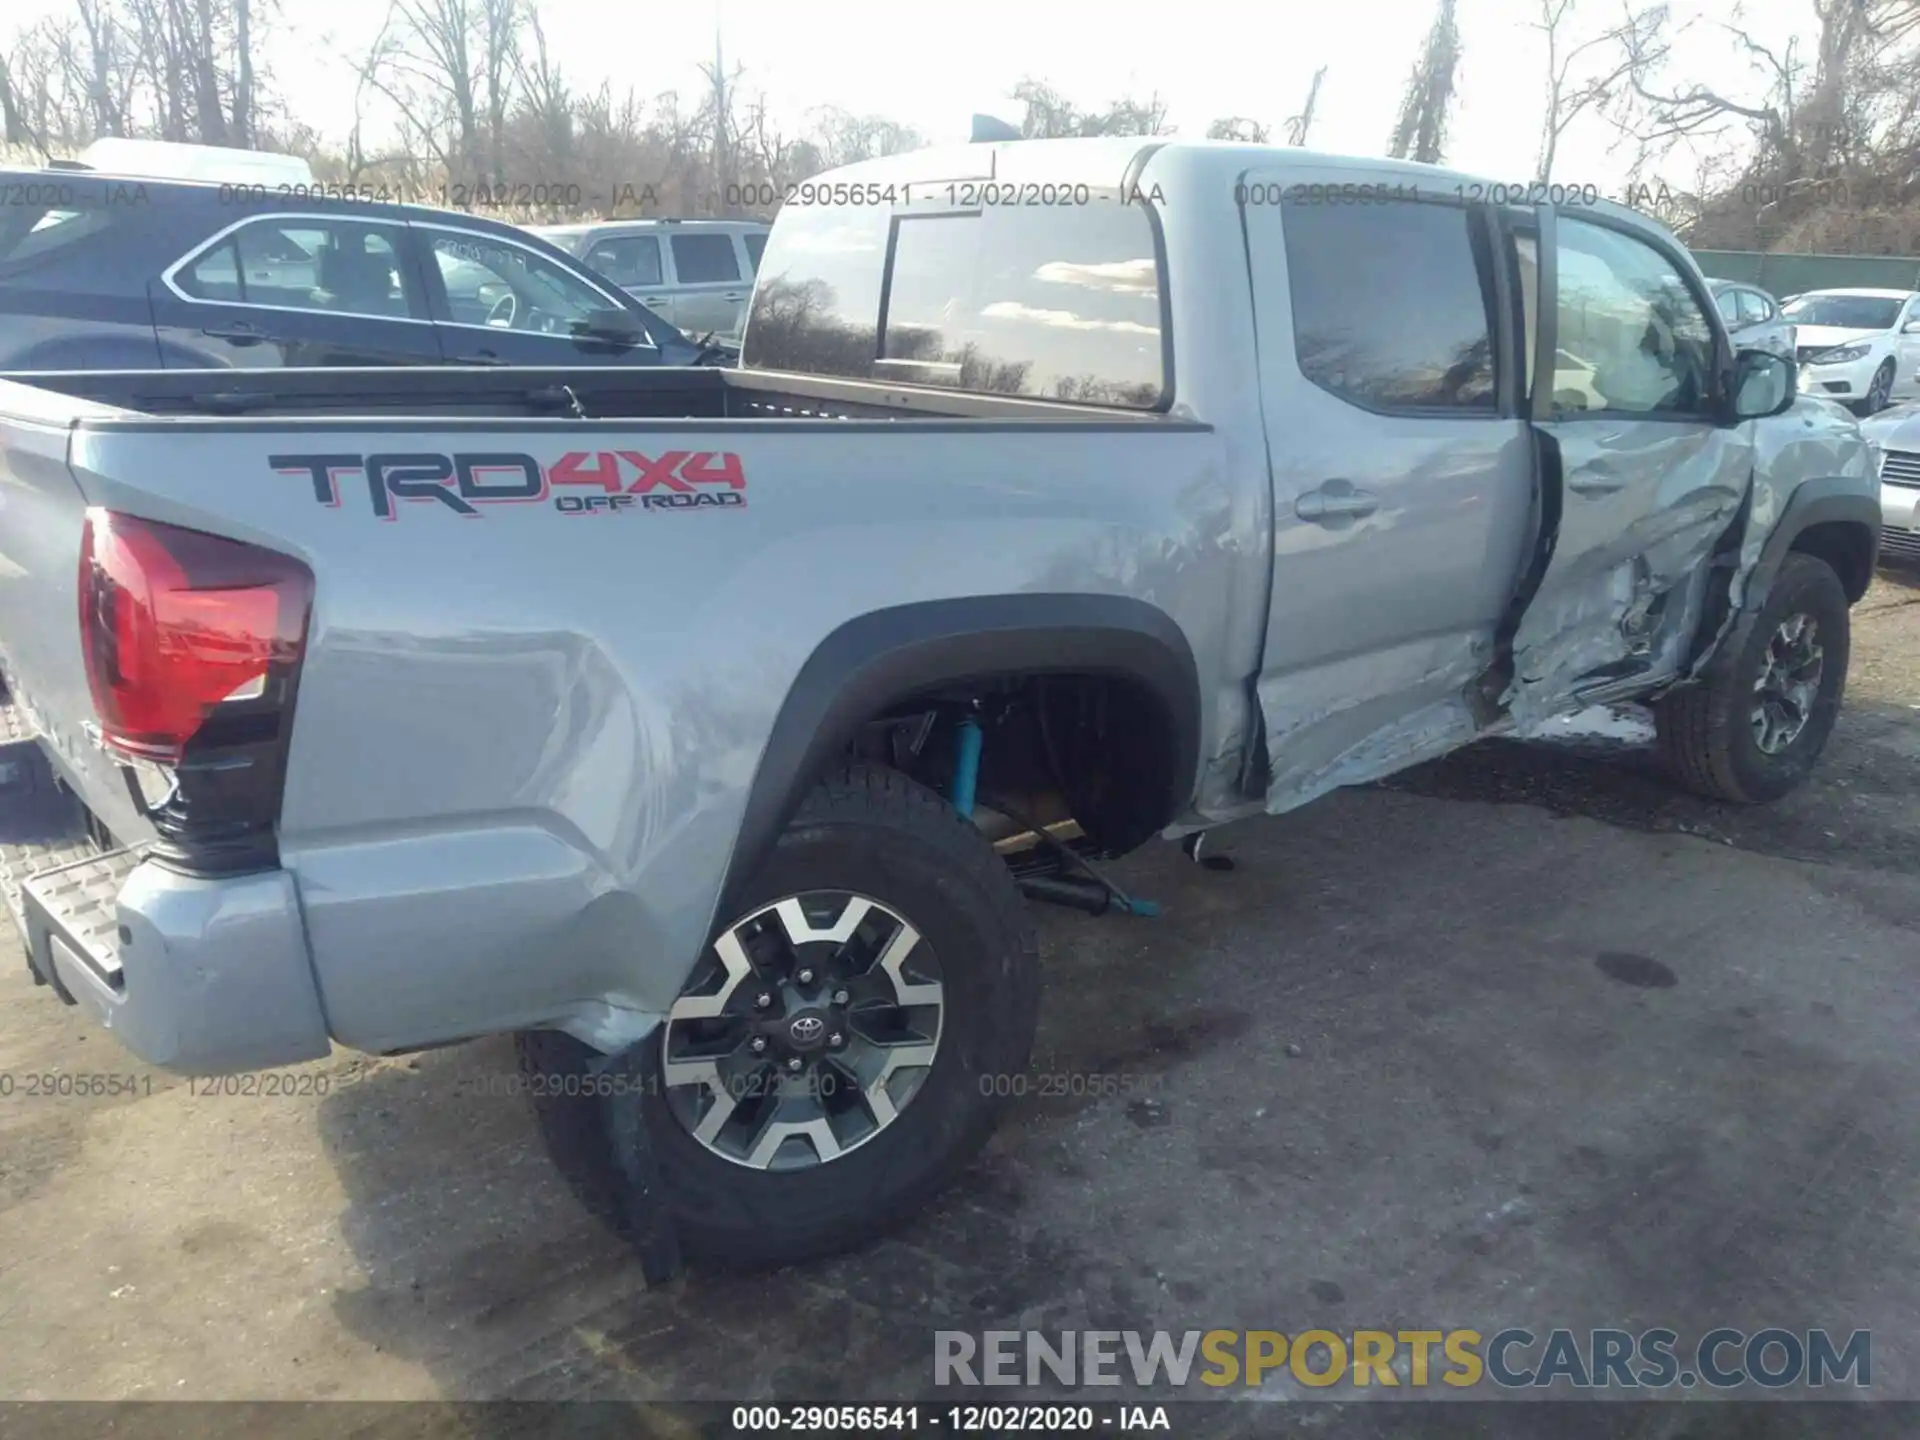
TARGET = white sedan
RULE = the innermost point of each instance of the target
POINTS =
(1861, 347)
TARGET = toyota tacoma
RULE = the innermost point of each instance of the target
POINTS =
(710, 730)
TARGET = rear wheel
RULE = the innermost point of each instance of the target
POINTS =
(831, 1062)
(1757, 721)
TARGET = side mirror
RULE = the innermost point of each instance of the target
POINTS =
(1912, 327)
(1763, 384)
(615, 325)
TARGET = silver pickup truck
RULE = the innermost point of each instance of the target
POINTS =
(706, 729)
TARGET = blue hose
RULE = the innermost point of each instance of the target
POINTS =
(966, 765)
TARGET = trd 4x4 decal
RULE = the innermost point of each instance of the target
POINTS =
(600, 482)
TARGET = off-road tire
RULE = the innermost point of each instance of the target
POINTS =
(874, 832)
(1706, 730)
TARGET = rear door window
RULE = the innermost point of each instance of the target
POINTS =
(756, 243)
(1390, 305)
(705, 259)
(333, 265)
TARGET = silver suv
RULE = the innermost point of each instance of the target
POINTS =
(697, 274)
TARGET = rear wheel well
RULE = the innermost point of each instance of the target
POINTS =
(1847, 549)
(1100, 750)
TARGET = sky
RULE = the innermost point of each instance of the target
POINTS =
(934, 66)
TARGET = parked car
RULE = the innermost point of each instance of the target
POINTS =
(100, 271)
(1861, 347)
(1753, 318)
(697, 273)
(398, 707)
(1895, 436)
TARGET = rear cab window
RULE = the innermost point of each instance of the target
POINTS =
(1055, 303)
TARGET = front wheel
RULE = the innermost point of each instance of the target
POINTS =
(1752, 728)
(1879, 390)
(836, 1055)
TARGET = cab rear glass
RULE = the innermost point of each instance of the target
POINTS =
(1054, 303)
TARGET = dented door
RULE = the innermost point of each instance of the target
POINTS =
(1626, 400)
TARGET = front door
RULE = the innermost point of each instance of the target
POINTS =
(1401, 469)
(296, 290)
(498, 302)
(1647, 478)
(633, 261)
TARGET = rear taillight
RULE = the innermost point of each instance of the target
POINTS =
(193, 643)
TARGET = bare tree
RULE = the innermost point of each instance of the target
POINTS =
(1573, 86)
(13, 124)
(1301, 125)
(1238, 127)
(1049, 115)
(1421, 131)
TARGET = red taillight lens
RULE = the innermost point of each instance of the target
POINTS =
(175, 623)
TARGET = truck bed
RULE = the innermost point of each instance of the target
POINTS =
(528, 729)
(507, 393)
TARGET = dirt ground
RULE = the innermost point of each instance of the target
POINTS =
(1523, 1037)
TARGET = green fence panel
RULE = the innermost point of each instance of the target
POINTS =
(1794, 274)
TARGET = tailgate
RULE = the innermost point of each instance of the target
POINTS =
(42, 510)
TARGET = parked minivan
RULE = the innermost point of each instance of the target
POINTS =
(697, 274)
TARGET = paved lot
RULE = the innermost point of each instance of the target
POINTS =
(1524, 1038)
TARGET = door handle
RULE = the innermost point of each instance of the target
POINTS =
(653, 299)
(1335, 501)
(1596, 477)
(239, 333)
(735, 298)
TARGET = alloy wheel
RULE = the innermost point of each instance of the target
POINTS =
(1788, 683)
(809, 1027)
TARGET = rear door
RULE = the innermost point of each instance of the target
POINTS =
(295, 289)
(1646, 477)
(1401, 468)
(710, 282)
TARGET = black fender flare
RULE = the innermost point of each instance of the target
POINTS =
(1820, 501)
(885, 655)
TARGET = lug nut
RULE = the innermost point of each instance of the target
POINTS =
(839, 997)
(836, 1040)
(763, 999)
(805, 977)
(794, 1064)
(759, 1045)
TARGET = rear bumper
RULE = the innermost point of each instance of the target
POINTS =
(202, 977)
